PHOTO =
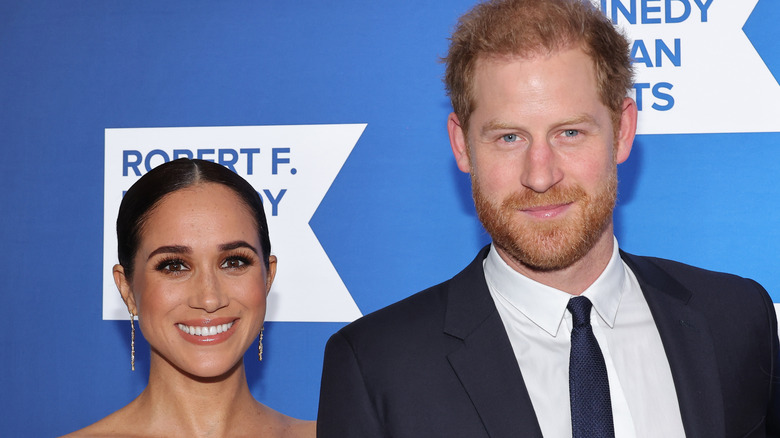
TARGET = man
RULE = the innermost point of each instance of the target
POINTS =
(552, 331)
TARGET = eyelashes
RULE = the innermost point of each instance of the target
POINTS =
(236, 261)
(171, 265)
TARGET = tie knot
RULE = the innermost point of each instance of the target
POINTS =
(580, 310)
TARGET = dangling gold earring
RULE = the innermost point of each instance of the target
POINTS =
(260, 345)
(132, 341)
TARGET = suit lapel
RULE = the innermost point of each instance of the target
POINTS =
(485, 363)
(689, 348)
(488, 370)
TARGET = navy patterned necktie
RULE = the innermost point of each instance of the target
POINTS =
(591, 409)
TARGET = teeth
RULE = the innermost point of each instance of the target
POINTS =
(205, 331)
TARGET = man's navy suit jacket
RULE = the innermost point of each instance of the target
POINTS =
(440, 364)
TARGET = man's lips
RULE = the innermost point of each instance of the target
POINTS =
(546, 211)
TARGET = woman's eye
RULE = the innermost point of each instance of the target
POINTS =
(233, 263)
(172, 266)
(509, 138)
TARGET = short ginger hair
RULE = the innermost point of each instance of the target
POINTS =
(526, 28)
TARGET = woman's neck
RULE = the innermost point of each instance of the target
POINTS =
(184, 405)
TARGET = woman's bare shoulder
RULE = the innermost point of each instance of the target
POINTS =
(272, 424)
(288, 427)
(119, 424)
(107, 427)
(301, 429)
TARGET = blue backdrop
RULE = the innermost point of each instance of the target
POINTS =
(398, 217)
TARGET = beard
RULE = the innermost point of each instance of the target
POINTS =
(547, 245)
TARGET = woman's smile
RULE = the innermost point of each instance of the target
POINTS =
(208, 331)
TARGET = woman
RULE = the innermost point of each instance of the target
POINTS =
(195, 267)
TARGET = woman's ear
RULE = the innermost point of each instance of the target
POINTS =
(123, 284)
(269, 279)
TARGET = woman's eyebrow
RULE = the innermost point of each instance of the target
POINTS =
(175, 249)
(237, 244)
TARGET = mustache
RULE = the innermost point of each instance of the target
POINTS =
(556, 195)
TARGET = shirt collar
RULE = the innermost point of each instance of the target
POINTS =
(545, 306)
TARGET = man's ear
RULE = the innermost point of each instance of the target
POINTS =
(123, 284)
(627, 130)
(458, 143)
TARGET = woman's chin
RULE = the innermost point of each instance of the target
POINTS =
(215, 372)
(207, 367)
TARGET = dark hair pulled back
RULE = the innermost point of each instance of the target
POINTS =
(144, 196)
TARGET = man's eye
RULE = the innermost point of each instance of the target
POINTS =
(571, 133)
(509, 138)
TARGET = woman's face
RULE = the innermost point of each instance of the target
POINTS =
(199, 286)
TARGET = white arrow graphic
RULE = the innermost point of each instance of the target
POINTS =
(292, 167)
(721, 84)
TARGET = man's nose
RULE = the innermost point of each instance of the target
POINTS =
(540, 167)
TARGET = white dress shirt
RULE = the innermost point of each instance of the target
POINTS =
(644, 400)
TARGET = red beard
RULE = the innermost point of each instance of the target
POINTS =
(552, 244)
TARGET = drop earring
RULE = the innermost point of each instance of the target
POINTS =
(260, 345)
(132, 341)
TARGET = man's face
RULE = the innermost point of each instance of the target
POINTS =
(542, 154)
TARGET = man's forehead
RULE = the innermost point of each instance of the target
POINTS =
(574, 68)
(559, 93)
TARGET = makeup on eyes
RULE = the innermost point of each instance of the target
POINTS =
(168, 264)
(238, 259)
